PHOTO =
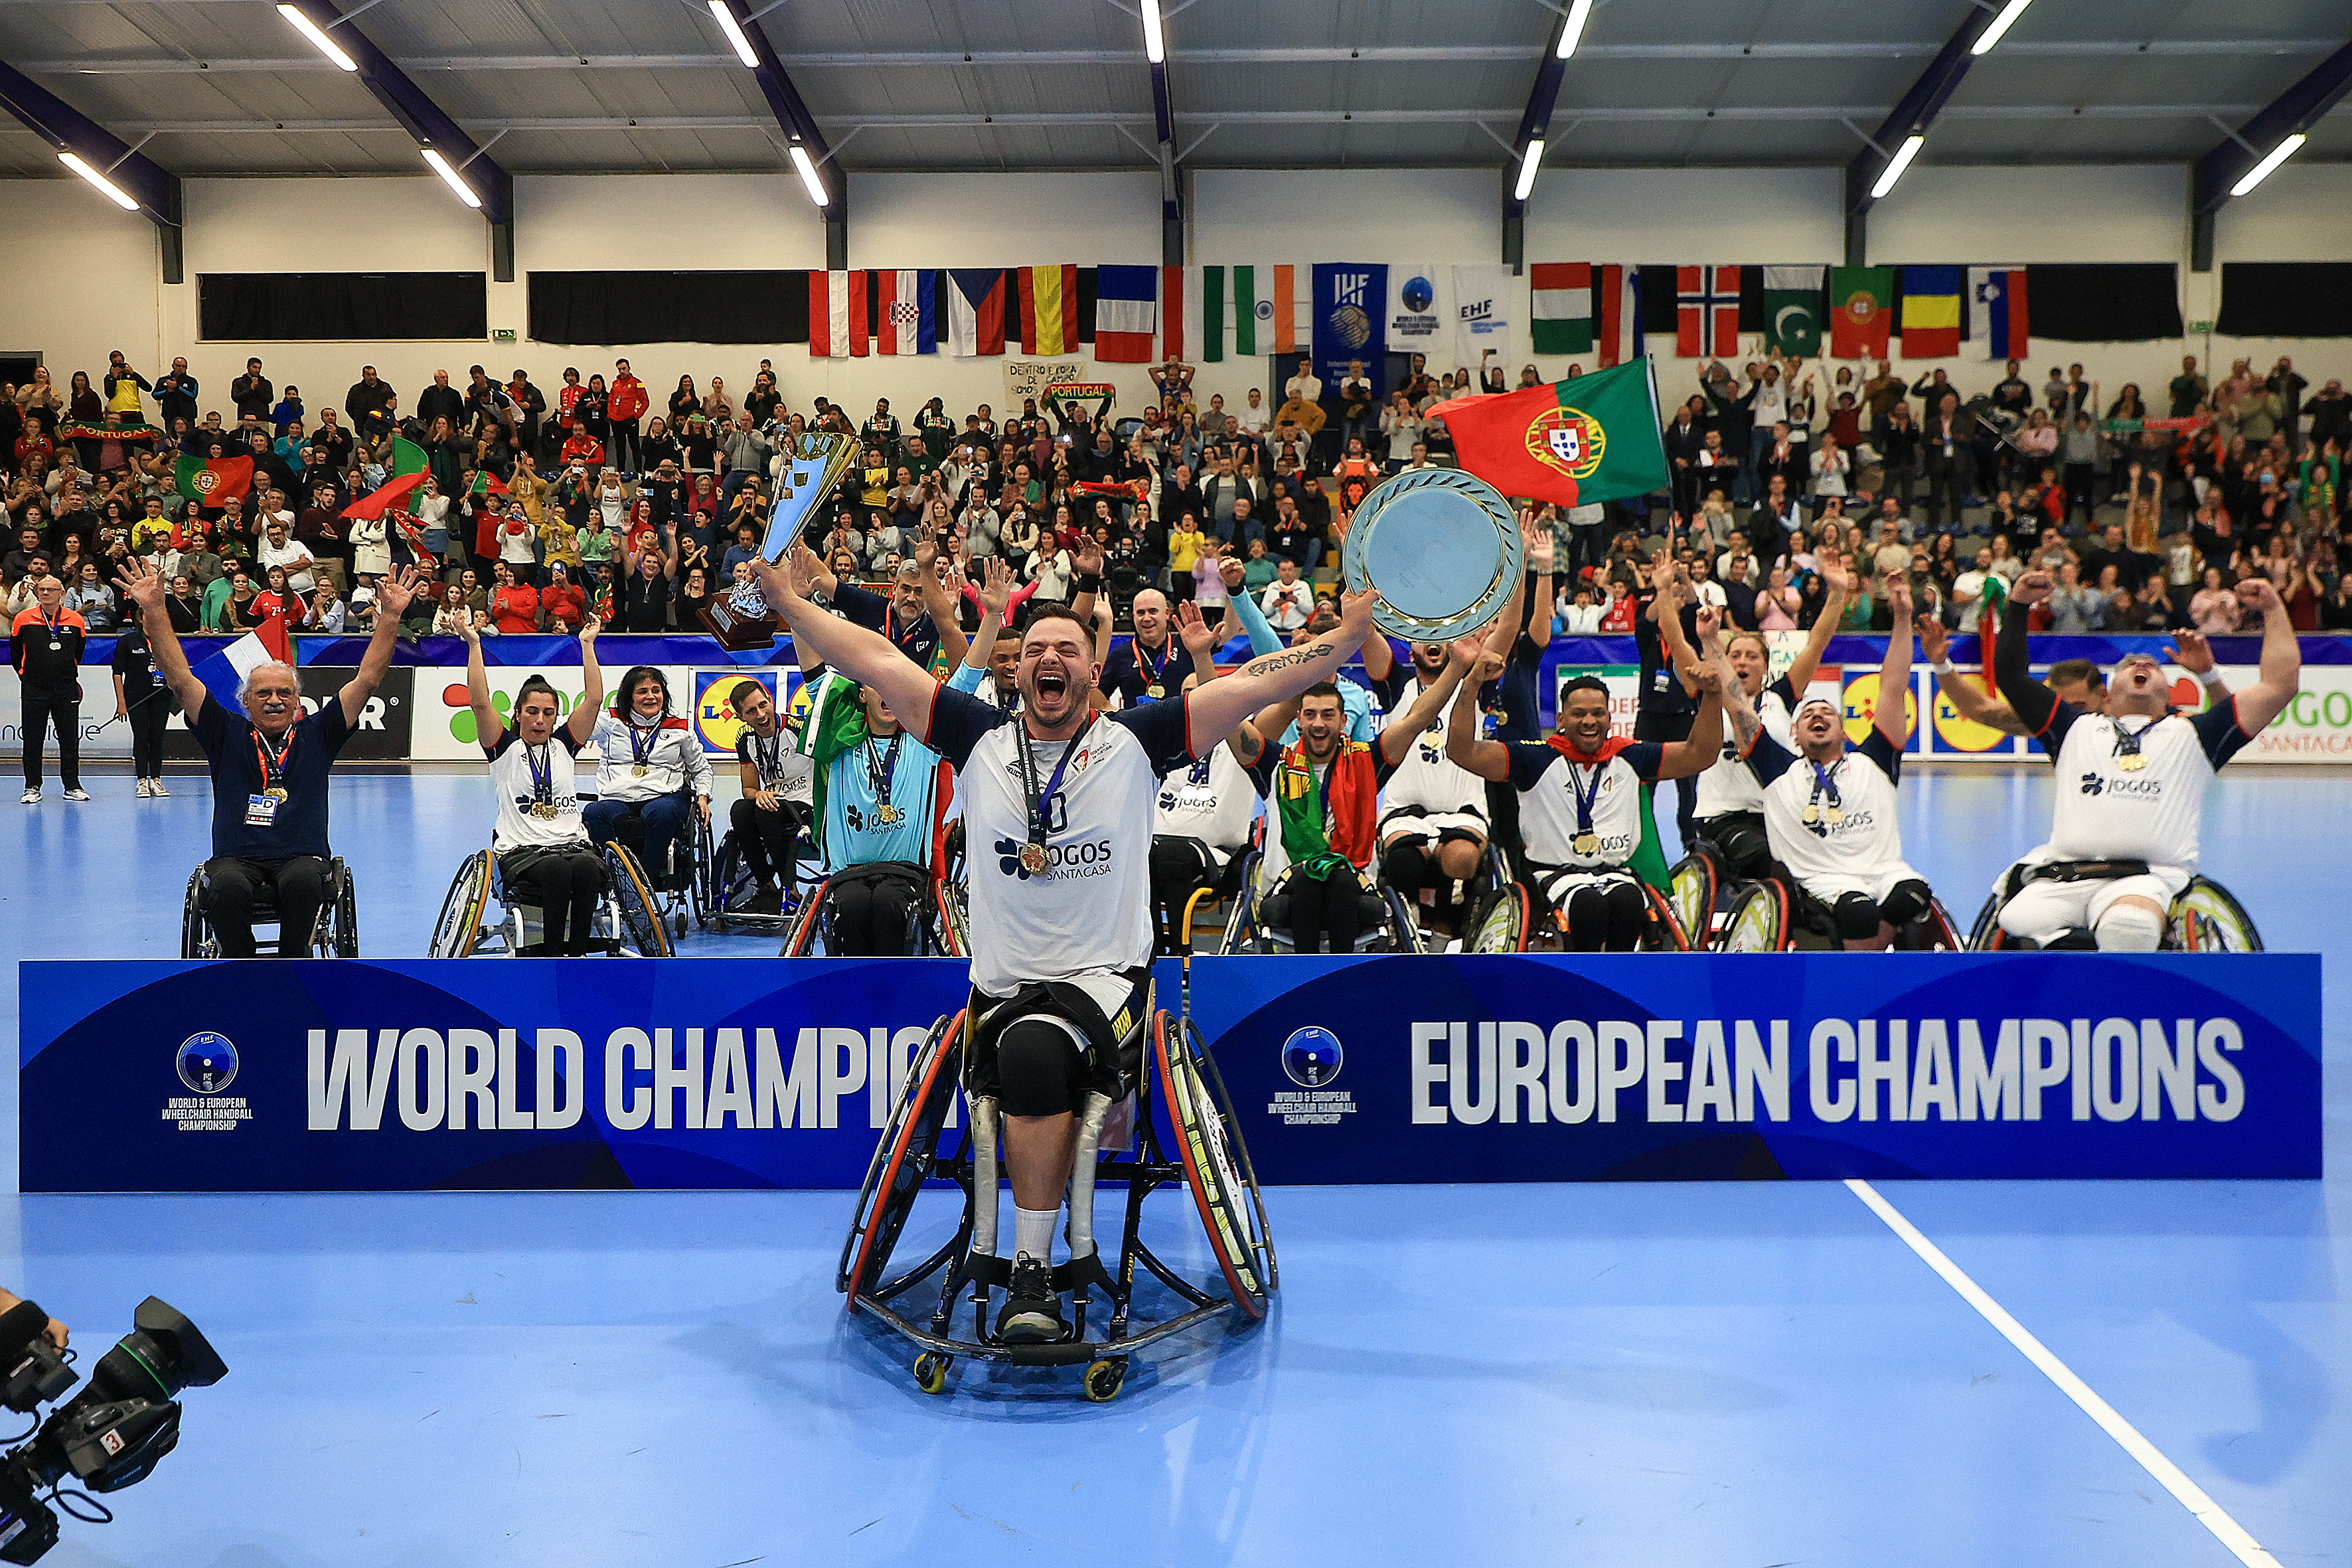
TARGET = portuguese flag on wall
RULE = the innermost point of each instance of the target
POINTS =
(209, 482)
(1589, 438)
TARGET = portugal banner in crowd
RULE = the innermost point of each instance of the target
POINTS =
(1587, 439)
(210, 481)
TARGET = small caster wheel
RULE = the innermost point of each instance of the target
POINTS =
(931, 1371)
(1105, 1378)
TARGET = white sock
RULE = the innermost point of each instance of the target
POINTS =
(1032, 1232)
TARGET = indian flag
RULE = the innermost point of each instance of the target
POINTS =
(1272, 313)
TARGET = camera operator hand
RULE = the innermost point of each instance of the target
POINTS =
(55, 1333)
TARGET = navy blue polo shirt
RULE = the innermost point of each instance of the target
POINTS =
(300, 827)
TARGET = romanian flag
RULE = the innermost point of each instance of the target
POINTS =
(210, 481)
(1931, 312)
(1049, 310)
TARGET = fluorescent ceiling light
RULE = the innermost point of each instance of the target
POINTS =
(1155, 46)
(1528, 161)
(808, 176)
(114, 192)
(734, 31)
(441, 167)
(316, 34)
(2000, 24)
(1571, 34)
(2261, 171)
(1897, 164)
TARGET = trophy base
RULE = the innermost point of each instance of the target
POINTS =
(735, 630)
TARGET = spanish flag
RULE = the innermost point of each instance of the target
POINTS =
(1049, 310)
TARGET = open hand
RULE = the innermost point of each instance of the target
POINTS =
(2191, 652)
(995, 589)
(141, 583)
(396, 590)
(1199, 638)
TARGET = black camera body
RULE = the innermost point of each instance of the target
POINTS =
(110, 1435)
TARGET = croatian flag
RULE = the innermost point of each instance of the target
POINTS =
(906, 317)
(976, 311)
(1997, 316)
(1126, 313)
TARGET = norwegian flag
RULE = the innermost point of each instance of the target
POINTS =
(1707, 311)
(906, 316)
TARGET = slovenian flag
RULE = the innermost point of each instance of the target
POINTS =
(1997, 310)
(976, 311)
(1931, 312)
(906, 316)
(1127, 312)
(1049, 310)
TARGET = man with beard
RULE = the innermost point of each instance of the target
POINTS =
(1432, 824)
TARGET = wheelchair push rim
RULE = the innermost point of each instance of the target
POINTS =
(640, 915)
(1503, 924)
(903, 1159)
(460, 925)
(1758, 921)
(1210, 1171)
(2216, 910)
(1696, 889)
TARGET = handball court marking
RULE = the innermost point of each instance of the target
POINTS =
(2169, 1476)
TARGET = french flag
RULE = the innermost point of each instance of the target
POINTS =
(1997, 315)
(906, 317)
(976, 311)
(837, 315)
(1126, 313)
(224, 671)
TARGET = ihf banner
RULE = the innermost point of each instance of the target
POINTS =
(1350, 323)
(1649, 1066)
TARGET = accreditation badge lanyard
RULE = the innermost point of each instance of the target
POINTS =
(540, 759)
(1034, 858)
(272, 761)
(880, 770)
(2128, 742)
(767, 756)
(1824, 784)
(641, 748)
(1587, 790)
(1154, 686)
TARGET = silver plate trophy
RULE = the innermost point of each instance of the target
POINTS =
(1443, 549)
(817, 461)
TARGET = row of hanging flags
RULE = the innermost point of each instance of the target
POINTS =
(1336, 311)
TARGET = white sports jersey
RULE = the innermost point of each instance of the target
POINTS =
(511, 765)
(1212, 800)
(2107, 811)
(1729, 784)
(670, 753)
(1865, 841)
(1424, 777)
(1548, 783)
(1088, 913)
(779, 764)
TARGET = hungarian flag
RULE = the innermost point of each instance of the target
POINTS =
(1561, 307)
(906, 317)
(1792, 311)
(1589, 438)
(1997, 318)
(1862, 300)
(1049, 310)
(210, 481)
(976, 311)
(1126, 311)
(1931, 312)
(1707, 311)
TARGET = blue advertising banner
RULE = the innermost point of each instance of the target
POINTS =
(1350, 323)
(529, 1073)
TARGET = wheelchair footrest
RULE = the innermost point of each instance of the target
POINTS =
(997, 1273)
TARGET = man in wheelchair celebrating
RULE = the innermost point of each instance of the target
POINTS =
(1058, 810)
(2131, 782)
(648, 761)
(877, 809)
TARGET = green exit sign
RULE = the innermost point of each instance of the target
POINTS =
(2200, 326)
(503, 335)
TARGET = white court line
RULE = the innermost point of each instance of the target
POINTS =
(2168, 1475)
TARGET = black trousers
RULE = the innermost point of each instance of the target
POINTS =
(564, 884)
(622, 446)
(1177, 866)
(872, 912)
(767, 838)
(233, 887)
(40, 714)
(147, 721)
(1328, 907)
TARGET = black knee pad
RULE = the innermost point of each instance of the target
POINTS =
(1039, 1063)
(1744, 850)
(1905, 902)
(1857, 917)
(1407, 864)
(1628, 908)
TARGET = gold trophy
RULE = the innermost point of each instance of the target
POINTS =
(817, 462)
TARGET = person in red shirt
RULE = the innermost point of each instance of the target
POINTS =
(1618, 620)
(565, 396)
(580, 448)
(625, 404)
(514, 606)
(565, 605)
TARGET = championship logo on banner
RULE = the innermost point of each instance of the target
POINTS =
(1351, 301)
(1420, 309)
(1486, 315)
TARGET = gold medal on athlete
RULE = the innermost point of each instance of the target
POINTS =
(2131, 761)
(639, 770)
(1813, 813)
(888, 814)
(544, 810)
(276, 792)
(1587, 843)
(1155, 691)
(1033, 858)
(1834, 816)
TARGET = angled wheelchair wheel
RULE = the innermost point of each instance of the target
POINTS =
(803, 934)
(903, 1158)
(1985, 935)
(1503, 924)
(2206, 918)
(701, 891)
(1934, 931)
(1757, 920)
(1694, 890)
(1405, 934)
(633, 899)
(1666, 933)
(1214, 1077)
(191, 918)
(1237, 932)
(948, 909)
(459, 927)
(1204, 1139)
(343, 941)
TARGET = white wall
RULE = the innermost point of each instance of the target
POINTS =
(1262, 215)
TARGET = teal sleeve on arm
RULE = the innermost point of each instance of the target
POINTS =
(967, 679)
(1262, 639)
(1359, 704)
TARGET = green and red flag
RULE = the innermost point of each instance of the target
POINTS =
(378, 500)
(1587, 439)
(407, 458)
(210, 481)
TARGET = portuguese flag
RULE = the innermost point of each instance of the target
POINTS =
(209, 482)
(407, 458)
(1589, 438)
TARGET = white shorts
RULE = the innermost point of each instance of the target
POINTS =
(1873, 885)
(1557, 887)
(2043, 910)
(1412, 822)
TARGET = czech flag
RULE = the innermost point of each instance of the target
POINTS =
(1997, 310)
(1126, 313)
(976, 311)
(906, 315)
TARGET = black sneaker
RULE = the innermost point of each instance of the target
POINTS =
(1033, 1313)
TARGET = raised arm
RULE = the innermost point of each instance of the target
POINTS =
(1539, 590)
(2033, 703)
(2282, 666)
(582, 723)
(1825, 625)
(1893, 709)
(142, 586)
(938, 603)
(861, 655)
(1465, 748)
(995, 593)
(1697, 752)
(1967, 697)
(393, 596)
(1399, 733)
(489, 728)
(1215, 709)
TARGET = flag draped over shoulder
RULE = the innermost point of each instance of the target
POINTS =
(1587, 439)
(833, 723)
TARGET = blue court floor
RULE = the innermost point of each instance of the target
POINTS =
(1732, 1375)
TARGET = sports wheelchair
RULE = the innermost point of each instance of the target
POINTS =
(1509, 922)
(1260, 920)
(728, 885)
(1163, 1059)
(335, 933)
(935, 924)
(628, 917)
(1773, 913)
(2205, 917)
(678, 890)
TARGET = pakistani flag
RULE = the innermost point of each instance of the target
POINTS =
(1792, 310)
